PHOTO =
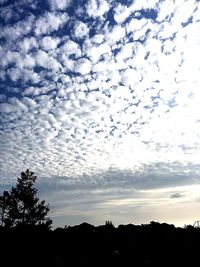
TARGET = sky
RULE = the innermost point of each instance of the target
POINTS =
(100, 98)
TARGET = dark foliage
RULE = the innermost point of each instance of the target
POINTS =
(151, 244)
(21, 206)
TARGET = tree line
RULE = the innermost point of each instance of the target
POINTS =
(26, 237)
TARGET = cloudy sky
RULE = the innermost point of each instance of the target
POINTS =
(100, 98)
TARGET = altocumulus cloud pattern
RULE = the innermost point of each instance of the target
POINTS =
(102, 95)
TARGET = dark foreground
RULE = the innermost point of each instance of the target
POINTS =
(151, 244)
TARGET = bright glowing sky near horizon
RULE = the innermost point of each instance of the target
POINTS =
(100, 98)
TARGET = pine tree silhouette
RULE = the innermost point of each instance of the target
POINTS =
(21, 206)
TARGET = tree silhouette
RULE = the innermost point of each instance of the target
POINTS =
(21, 206)
(4, 200)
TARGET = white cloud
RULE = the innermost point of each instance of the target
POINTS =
(14, 74)
(121, 13)
(116, 34)
(166, 10)
(26, 62)
(146, 4)
(50, 22)
(138, 28)
(24, 75)
(44, 60)
(27, 44)
(19, 60)
(94, 52)
(97, 39)
(83, 66)
(196, 12)
(130, 77)
(184, 11)
(126, 52)
(7, 108)
(11, 33)
(153, 45)
(17, 30)
(49, 43)
(9, 57)
(70, 48)
(80, 29)
(97, 8)
(59, 4)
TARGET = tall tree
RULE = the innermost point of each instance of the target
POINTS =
(21, 206)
